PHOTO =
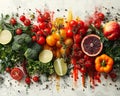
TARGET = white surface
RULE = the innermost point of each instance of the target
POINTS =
(79, 7)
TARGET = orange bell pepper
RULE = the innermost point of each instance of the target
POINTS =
(104, 63)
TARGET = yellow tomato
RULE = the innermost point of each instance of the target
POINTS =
(50, 40)
(64, 51)
(69, 42)
(58, 44)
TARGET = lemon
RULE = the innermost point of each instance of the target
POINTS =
(60, 66)
(45, 56)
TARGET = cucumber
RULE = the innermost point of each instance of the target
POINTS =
(5, 37)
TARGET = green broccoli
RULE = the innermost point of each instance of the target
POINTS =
(31, 54)
(36, 47)
(16, 47)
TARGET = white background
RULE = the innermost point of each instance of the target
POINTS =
(78, 7)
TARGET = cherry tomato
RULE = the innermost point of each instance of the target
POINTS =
(40, 33)
(16, 74)
(35, 78)
(41, 40)
(101, 16)
(50, 40)
(76, 47)
(42, 25)
(82, 31)
(40, 19)
(13, 21)
(8, 69)
(77, 38)
(47, 31)
(46, 16)
(69, 33)
(34, 28)
(72, 23)
(97, 23)
(22, 18)
(69, 42)
(19, 31)
(34, 38)
(27, 80)
(80, 24)
(27, 22)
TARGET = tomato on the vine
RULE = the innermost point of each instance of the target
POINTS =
(40, 18)
(27, 22)
(69, 32)
(77, 38)
(47, 31)
(16, 74)
(80, 24)
(22, 18)
(101, 16)
(35, 78)
(40, 33)
(34, 28)
(28, 80)
(8, 69)
(41, 40)
(46, 16)
(42, 25)
(50, 40)
(34, 38)
(13, 21)
(73, 23)
(19, 31)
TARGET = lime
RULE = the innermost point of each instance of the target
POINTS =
(5, 37)
(60, 66)
(45, 56)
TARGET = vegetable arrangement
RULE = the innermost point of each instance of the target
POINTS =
(44, 45)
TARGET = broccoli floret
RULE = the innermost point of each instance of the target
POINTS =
(16, 46)
(28, 39)
(37, 47)
(31, 54)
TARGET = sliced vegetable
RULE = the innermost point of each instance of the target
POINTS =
(45, 56)
(5, 37)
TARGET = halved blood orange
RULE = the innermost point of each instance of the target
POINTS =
(91, 45)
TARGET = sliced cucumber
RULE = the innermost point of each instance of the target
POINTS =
(5, 37)
(45, 56)
(60, 66)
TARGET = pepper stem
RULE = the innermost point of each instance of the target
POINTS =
(103, 63)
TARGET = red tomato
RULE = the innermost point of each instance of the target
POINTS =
(41, 40)
(8, 69)
(101, 16)
(80, 24)
(72, 23)
(27, 22)
(16, 74)
(27, 80)
(34, 28)
(19, 31)
(97, 23)
(82, 31)
(13, 21)
(22, 18)
(35, 78)
(42, 25)
(46, 16)
(77, 38)
(69, 33)
(40, 33)
(40, 19)
(47, 31)
(34, 38)
(76, 47)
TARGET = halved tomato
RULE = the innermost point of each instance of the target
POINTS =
(16, 74)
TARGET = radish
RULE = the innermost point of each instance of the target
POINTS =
(5, 37)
